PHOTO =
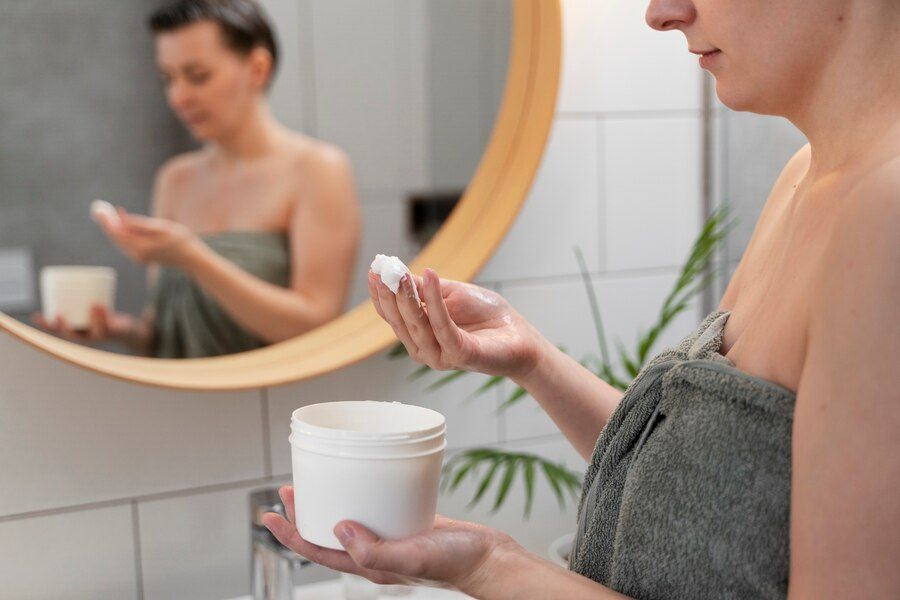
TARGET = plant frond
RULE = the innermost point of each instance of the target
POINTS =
(502, 468)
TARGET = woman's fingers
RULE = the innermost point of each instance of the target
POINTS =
(141, 224)
(286, 493)
(391, 314)
(98, 326)
(446, 332)
(418, 325)
(373, 280)
(429, 336)
(371, 553)
(287, 534)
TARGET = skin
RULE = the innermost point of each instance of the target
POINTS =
(815, 307)
(252, 175)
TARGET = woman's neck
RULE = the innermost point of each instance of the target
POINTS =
(854, 108)
(252, 138)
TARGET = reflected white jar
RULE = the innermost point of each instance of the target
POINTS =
(71, 291)
(378, 463)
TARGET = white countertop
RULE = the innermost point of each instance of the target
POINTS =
(333, 590)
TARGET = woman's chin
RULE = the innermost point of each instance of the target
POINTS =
(735, 101)
(201, 135)
(744, 100)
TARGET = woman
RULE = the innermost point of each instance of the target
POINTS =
(759, 458)
(256, 233)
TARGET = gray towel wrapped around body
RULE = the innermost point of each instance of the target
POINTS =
(189, 323)
(688, 492)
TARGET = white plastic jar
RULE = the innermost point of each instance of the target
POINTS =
(377, 463)
(71, 291)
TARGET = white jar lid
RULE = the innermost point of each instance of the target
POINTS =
(367, 427)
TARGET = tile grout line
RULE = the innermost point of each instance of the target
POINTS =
(630, 273)
(602, 224)
(217, 487)
(138, 559)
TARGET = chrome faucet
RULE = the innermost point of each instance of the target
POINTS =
(271, 563)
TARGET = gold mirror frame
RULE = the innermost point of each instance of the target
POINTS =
(459, 250)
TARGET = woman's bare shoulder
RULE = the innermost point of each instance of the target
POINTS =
(173, 175)
(311, 154)
(862, 252)
(181, 167)
(320, 171)
(868, 221)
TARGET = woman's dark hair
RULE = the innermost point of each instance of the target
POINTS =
(243, 23)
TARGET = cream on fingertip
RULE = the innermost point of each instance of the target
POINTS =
(391, 270)
(102, 207)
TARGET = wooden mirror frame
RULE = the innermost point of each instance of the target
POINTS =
(459, 250)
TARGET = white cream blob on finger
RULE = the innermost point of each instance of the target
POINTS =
(102, 207)
(391, 270)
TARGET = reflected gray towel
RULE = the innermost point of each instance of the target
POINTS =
(189, 323)
(688, 492)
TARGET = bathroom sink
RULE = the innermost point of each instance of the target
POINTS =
(333, 590)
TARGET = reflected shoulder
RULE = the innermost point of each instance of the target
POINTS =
(311, 153)
(172, 175)
(180, 167)
(319, 165)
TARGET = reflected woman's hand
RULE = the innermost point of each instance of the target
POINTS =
(150, 239)
(104, 325)
(459, 326)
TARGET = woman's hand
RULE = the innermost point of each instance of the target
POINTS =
(454, 553)
(150, 239)
(460, 326)
(104, 325)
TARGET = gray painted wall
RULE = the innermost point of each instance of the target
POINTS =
(82, 116)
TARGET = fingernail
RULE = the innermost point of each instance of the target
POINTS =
(344, 535)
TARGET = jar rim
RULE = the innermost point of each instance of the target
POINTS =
(368, 421)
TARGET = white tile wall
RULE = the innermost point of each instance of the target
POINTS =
(191, 548)
(76, 438)
(618, 180)
(653, 189)
(615, 62)
(561, 211)
(84, 555)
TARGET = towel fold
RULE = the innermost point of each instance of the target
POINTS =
(688, 492)
(189, 323)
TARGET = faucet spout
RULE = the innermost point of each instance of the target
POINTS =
(271, 564)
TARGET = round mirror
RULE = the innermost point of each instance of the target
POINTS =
(458, 250)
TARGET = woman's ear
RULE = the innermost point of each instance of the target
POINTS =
(260, 66)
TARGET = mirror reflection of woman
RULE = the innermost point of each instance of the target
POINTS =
(254, 236)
